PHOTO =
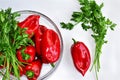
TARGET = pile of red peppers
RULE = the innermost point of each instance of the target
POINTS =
(46, 48)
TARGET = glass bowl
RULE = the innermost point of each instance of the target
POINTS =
(47, 69)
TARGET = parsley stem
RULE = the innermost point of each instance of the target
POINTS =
(7, 69)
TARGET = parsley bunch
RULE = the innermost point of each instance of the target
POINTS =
(12, 38)
(90, 16)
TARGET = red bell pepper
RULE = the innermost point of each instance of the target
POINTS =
(31, 23)
(38, 38)
(32, 70)
(80, 56)
(50, 46)
(26, 54)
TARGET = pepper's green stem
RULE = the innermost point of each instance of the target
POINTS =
(30, 74)
(24, 55)
(52, 64)
(74, 40)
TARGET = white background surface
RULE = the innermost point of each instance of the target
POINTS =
(61, 10)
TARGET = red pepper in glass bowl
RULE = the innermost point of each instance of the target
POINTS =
(31, 23)
(36, 32)
(38, 38)
(50, 46)
(26, 54)
(32, 70)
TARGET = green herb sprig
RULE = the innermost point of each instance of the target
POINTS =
(90, 16)
(12, 38)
